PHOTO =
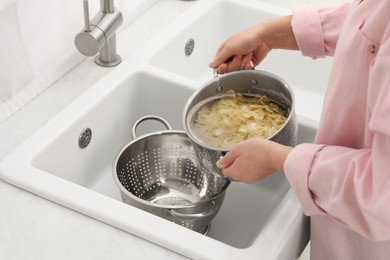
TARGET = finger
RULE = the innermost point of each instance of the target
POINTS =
(249, 66)
(259, 57)
(235, 172)
(245, 61)
(226, 67)
(227, 160)
(221, 56)
(223, 68)
(235, 64)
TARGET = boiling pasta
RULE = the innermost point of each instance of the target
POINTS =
(234, 118)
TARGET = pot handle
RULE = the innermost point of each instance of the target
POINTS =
(213, 210)
(149, 117)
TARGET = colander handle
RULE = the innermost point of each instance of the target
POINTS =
(149, 117)
(213, 210)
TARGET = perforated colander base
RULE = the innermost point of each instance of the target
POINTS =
(168, 172)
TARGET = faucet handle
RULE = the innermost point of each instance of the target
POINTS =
(87, 27)
(99, 34)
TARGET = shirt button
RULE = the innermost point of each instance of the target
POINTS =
(373, 49)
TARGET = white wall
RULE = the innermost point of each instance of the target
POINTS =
(37, 44)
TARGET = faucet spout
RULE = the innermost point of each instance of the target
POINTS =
(99, 34)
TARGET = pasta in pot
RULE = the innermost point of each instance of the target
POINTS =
(235, 118)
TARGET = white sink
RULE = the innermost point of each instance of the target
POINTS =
(263, 216)
(213, 23)
(262, 220)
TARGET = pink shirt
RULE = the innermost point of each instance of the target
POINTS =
(343, 180)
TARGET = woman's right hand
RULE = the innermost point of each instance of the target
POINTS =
(241, 51)
(246, 49)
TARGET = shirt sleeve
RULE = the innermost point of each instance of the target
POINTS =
(351, 186)
(317, 30)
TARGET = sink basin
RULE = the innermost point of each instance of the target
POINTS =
(52, 165)
(262, 220)
(218, 20)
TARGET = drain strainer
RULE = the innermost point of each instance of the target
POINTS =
(85, 138)
(189, 47)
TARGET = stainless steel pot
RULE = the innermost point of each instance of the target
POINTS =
(160, 173)
(248, 82)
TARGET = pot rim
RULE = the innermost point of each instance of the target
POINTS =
(187, 107)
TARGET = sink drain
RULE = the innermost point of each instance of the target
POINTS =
(85, 138)
(189, 47)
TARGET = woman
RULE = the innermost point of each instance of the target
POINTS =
(342, 180)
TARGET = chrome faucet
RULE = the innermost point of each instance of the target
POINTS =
(99, 34)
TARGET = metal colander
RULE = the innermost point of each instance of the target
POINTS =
(160, 173)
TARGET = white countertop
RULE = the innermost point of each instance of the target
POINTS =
(34, 228)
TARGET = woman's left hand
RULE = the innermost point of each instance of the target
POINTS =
(253, 160)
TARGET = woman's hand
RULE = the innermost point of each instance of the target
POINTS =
(248, 48)
(241, 51)
(253, 160)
